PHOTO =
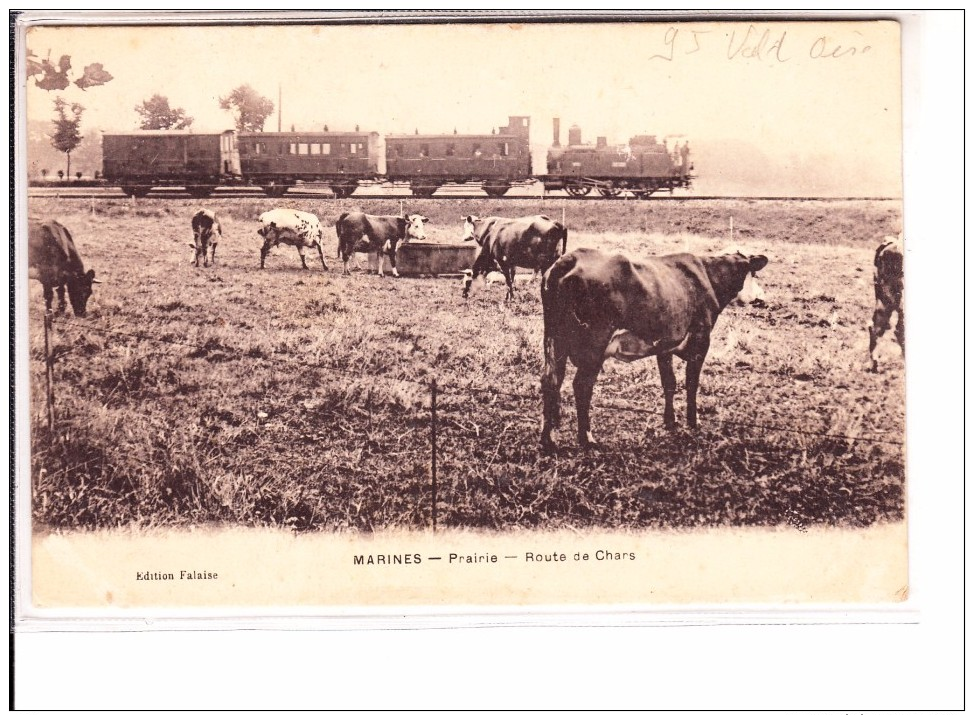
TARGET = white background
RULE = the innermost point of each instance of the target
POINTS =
(842, 667)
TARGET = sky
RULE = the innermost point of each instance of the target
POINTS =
(792, 88)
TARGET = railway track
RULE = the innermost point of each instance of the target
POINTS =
(447, 193)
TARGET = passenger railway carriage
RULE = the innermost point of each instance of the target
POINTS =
(275, 161)
(495, 161)
(138, 161)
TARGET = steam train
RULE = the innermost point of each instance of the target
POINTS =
(274, 161)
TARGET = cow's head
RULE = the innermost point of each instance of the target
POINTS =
(728, 273)
(79, 291)
(470, 227)
(415, 227)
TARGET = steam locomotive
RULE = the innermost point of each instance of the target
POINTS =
(274, 161)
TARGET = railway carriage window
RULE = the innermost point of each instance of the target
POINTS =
(316, 149)
(352, 148)
(326, 148)
(476, 150)
(504, 149)
(361, 146)
(280, 148)
(292, 148)
(303, 149)
(451, 149)
(424, 150)
(398, 149)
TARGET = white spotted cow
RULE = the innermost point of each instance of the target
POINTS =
(292, 228)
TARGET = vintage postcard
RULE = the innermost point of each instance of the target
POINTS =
(344, 315)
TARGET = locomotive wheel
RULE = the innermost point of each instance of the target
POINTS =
(577, 190)
(496, 190)
(343, 191)
(275, 191)
(199, 192)
(136, 191)
(609, 191)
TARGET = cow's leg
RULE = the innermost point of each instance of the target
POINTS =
(48, 296)
(900, 331)
(264, 250)
(481, 265)
(392, 260)
(553, 374)
(879, 327)
(588, 354)
(583, 385)
(668, 379)
(61, 304)
(304, 263)
(509, 277)
(321, 255)
(213, 254)
(694, 366)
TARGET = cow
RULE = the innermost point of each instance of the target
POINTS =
(206, 232)
(53, 259)
(292, 228)
(377, 235)
(598, 305)
(888, 283)
(506, 243)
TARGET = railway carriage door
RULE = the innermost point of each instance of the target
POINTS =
(230, 154)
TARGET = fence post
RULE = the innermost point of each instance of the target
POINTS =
(433, 445)
(49, 374)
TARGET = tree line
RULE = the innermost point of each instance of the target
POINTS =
(249, 109)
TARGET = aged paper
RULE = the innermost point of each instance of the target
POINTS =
(199, 460)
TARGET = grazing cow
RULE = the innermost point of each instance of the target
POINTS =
(53, 260)
(292, 228)
(888, 280)
(598, 305)
(206, 233)
(506, 243)
(377, 235)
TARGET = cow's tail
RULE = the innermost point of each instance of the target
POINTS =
(339, 224)
(556, 337)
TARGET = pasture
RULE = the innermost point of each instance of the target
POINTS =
(231, 395)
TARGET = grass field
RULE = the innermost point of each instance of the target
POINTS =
(300, 398)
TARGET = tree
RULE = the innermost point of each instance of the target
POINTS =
(249, 108)
(67, 134)
(156, 113)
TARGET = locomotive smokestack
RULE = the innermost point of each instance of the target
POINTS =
(557, 130)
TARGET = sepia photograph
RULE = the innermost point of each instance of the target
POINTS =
(336, 313)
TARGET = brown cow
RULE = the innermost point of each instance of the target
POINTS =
(376, 235)
(507, 243)
(888, 281)
(598, 305)
(53, 259)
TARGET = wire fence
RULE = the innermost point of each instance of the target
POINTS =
(440, 415)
